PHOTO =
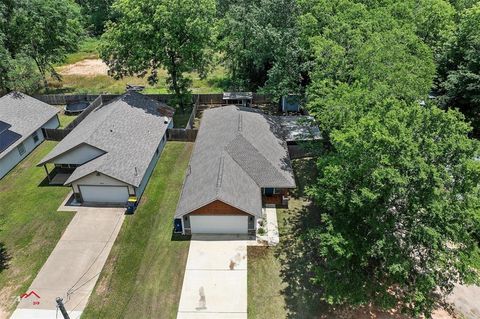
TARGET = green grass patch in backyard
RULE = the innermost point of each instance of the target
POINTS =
(88, 49)
(65, 119)
(143, 275)
(266, 284)
(102, 83)
(30, 225)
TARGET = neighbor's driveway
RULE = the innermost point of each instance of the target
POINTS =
(73, 267)
(215, 282)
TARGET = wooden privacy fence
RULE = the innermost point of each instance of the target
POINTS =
(55, 134)
(96, 103)
(209, 98)
(193, 115)
(181, 134)
(299, 151)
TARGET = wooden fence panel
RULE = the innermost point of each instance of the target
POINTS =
(180, 134)
(191, 120)
(55, 134)
(96, 103)
(204, 98)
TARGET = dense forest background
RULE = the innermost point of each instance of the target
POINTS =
(416, 50)
(393, 85)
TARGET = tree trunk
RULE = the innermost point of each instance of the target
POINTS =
(175, 86)
(43, 74)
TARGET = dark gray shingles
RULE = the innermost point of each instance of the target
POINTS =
(243, 149)
(24, 114)
(128, 130)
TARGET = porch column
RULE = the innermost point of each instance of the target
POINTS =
(46, 170)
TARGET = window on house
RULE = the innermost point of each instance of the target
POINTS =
(21, 148)
(35, 137)
(277, 190)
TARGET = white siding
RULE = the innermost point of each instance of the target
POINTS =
(139, 191)
(52, 123)
(13, 157)
(78, 155)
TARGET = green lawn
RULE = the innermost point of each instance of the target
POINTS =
(267, 297)
(88, 49)
(30, 225)
(65, 119)
(143, 275)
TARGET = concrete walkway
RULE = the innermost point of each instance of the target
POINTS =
(272, 225)
(466, 301)
(215, 282)
(73, 267)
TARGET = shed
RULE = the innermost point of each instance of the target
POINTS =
(291, 103)
(238, 98)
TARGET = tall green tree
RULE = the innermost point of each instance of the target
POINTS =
(154, 34)
(361, 55)
(96, 14)
(260, 45)
(17, 69)
(400, 203)
(44, 31)
(460, 87)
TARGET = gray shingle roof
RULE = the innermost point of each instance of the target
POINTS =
(128, 130)
(237, 152)
(25, 115)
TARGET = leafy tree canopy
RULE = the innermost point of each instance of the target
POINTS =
(96, 13)
(399, 197)
(460, 70)
(154, 34)
(260, 45)
(40, 32)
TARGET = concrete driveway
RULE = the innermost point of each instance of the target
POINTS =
(73, 267)
(466, 301)
(215, 282)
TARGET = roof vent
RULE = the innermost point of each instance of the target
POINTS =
(240, 122)
(136, 171)
(220, 173)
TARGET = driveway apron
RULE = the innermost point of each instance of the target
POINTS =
(215, 282)
(73, 267)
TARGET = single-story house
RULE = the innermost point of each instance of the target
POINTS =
(21, 121)
(111, 154)
(239, 163)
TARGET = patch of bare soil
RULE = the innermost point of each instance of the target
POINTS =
(87, 67)
(8, 300)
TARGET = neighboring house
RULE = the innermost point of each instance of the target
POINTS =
(111, 154)
(21, 121)
(240, 162)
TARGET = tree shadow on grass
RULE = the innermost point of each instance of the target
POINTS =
(302, 295)
(298, 254)
(4, 257)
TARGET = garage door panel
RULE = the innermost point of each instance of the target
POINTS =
(104, 194)
(219, 224)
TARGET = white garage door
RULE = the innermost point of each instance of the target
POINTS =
(219, 224)
(104, 194)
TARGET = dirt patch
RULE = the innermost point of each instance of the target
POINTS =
(87, 67)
